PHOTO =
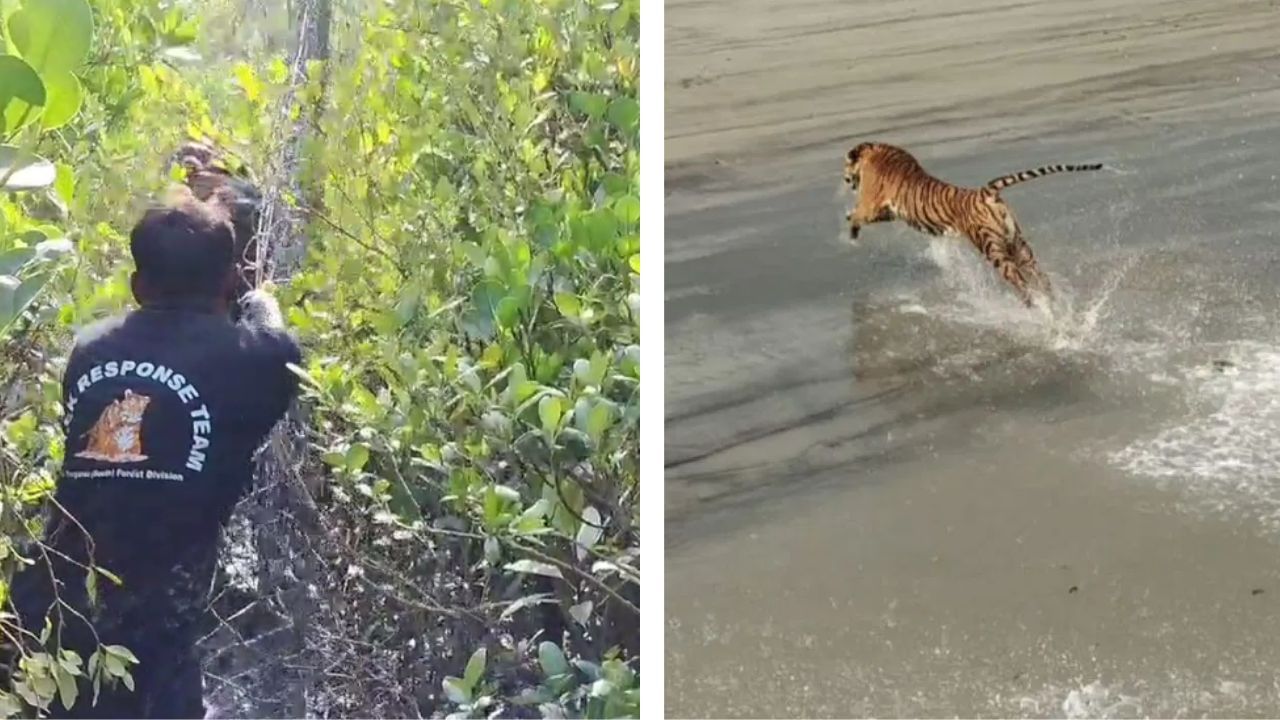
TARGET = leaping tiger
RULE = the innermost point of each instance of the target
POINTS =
(891, 185)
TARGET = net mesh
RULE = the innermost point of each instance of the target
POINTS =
(257, 661)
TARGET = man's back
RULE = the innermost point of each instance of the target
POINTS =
(165, 408)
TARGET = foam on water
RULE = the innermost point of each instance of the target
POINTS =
(1223, 454)
(1174, 696)
(1226, 451)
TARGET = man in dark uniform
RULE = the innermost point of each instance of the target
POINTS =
(165, 408)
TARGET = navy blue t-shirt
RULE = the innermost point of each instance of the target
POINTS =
(165, 409)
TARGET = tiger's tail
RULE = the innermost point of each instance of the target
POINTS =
(1005, 181)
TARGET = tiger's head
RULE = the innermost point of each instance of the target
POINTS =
(132, 407)
(193, 156)
(853, 164)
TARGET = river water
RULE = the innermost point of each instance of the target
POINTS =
(890, 489)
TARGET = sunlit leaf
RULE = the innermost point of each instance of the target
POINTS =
(475, 668)
(53, 35)
(22, 94)
(21, 170)
(550, 409)
(456, 690)
(63, 100)
(589, 532)
(581, 613)
(524, 602)
(249, 81)
(568, 304)
(534, 567)
(627, 208)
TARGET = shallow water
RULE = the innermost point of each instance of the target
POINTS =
(893, 491)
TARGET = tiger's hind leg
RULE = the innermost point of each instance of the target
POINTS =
(994, 248)
(1026, 261)
(1020, 250)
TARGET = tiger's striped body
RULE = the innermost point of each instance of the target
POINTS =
(892, 185)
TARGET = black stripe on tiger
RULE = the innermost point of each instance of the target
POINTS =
(1005, 181)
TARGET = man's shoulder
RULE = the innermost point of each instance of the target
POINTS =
(101, 329)
(271, 344)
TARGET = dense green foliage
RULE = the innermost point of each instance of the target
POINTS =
(467, 300)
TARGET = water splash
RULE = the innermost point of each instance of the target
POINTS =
(977, 296)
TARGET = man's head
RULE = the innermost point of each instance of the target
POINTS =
(183, 253)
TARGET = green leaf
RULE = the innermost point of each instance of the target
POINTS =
(181, 55)
(627, 209)
(599, 366)
(109, 575)
(24, 170)
(581, 613)
(634, 261)
(476, 254)
(12, 262)
(64, 97)
(550, 408)
(8, 299)
(484, 300)
(357, 457)
(475, 668)
(121, 651)
(527, 601)
(599, 418)
(589, 532)
(624, 114)
(534, 567)
(91, 588)
(601, 228)
(456, 691)
(249, 81)
(53, 35)
(508, 311)
(114, 665)
(593, 105)
(568, 305)
(601, 688)
(65, 183)
(552, 660)
(277, 71)
(66, 687)
(22, 95)
(53, 249)
(9, 706)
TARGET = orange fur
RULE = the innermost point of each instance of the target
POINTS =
(891, 185)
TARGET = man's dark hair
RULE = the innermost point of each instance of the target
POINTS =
(184, 250)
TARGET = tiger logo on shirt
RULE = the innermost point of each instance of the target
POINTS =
(116, 437)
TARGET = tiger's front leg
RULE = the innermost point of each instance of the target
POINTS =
(865, 216)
